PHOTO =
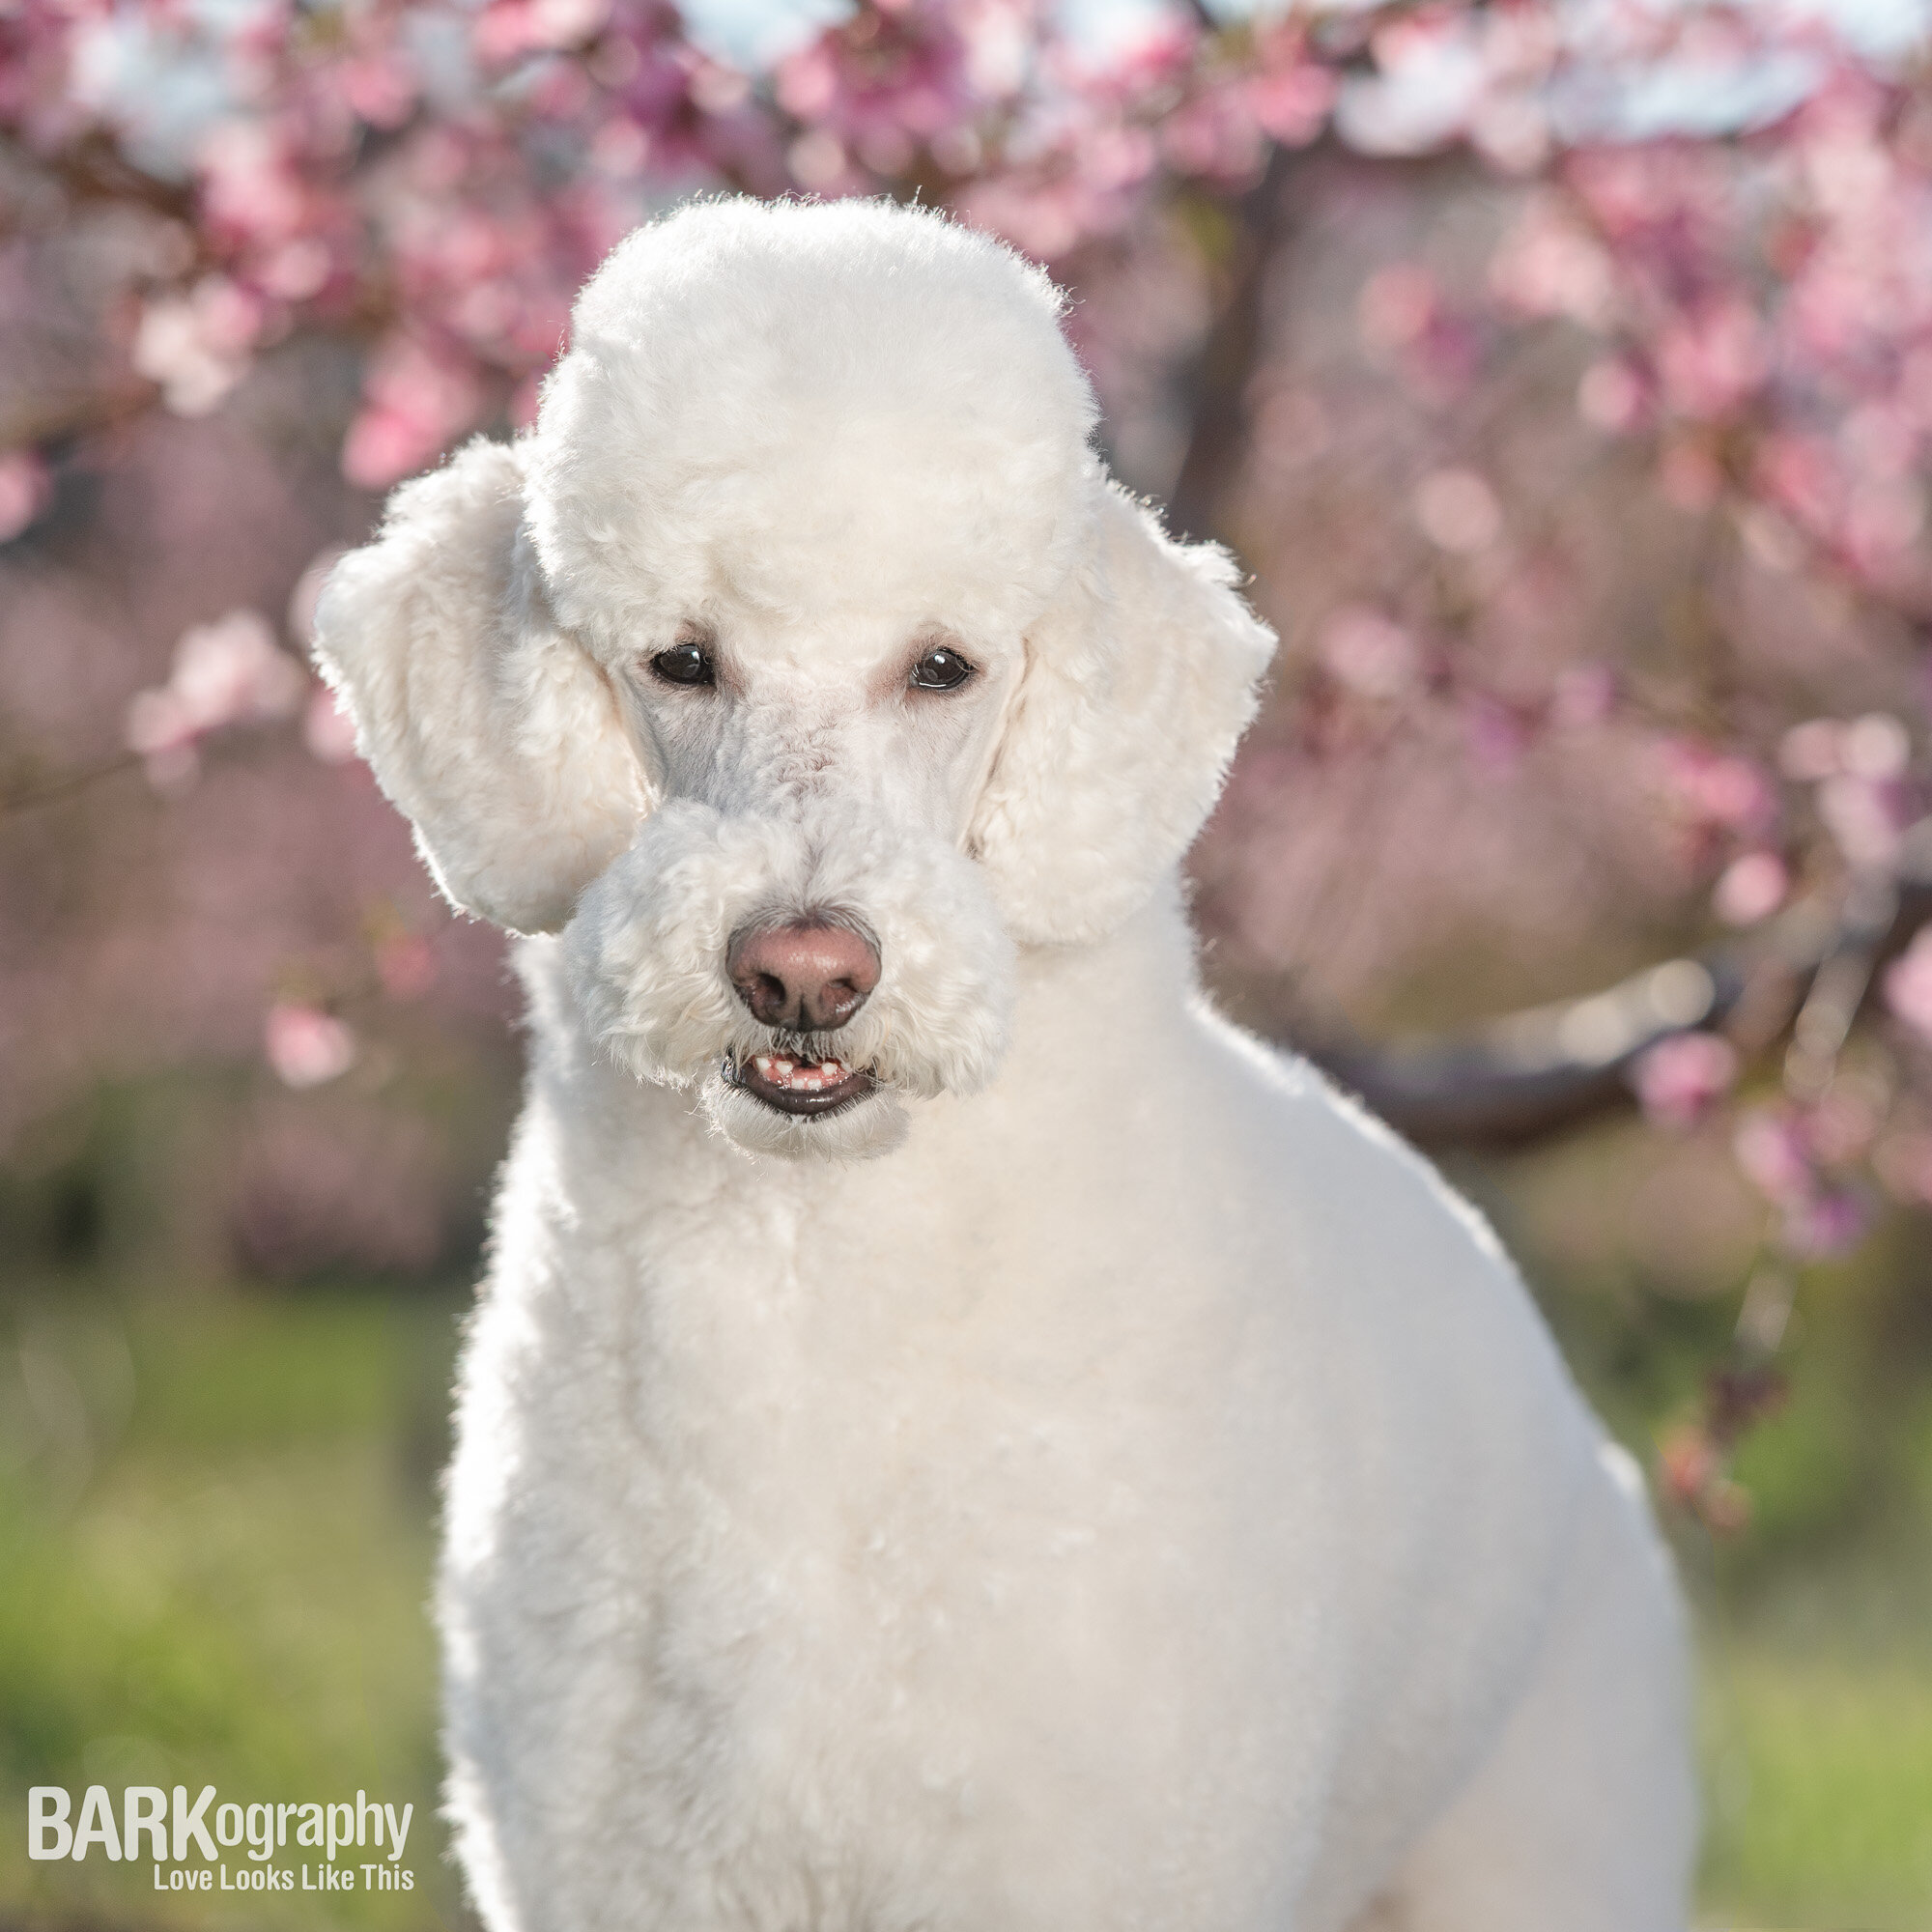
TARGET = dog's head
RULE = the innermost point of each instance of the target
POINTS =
(799, 664)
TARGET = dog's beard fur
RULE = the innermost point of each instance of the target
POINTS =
(645, 954)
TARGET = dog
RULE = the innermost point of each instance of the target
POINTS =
(956, 1435)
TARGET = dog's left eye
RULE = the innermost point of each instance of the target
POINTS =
(940, 670)
(684, 664)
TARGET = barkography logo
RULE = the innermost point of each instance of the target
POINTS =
(143, 1829)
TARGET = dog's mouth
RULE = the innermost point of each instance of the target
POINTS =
(792, 1083)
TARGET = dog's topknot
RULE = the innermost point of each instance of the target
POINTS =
(845, 377)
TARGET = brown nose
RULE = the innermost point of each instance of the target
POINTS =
(807, 977)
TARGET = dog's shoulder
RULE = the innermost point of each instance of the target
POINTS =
(1392, 1260)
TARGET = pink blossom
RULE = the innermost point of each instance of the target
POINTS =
(1802, 475)
(1291, 100)
(1679, 1079)
(24, 490)
(1875, 748)
(1753, 887)
(508, 28)
(1458, 510)
(1068, 195)
(1585, 695)
(1547, 266)
(1712, 361)
(1429, 81)
(1827, 1225)
(1510, 130)
(1771, 1149)
(198, 346)
(1908, 985)
(328, 730)
(1370, 653)
(416, 401)
(252, 190)
(1866, 818)
(1215, 135)
(1042, 215)
(382, 86)
(882, 83)
(228, 672)
(1715, 788)
(1612, 396)
(297, 270)
(818, 161)
(306, 1046)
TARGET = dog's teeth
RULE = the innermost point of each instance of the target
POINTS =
(803, 1077)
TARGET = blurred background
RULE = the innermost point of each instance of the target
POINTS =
(1561, 370)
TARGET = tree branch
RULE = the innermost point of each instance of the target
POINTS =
(1530, 1074)
(1216, 386)
(24, 798)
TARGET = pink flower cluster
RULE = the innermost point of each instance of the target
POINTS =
(1863, 788)
(1767, 300)
(25, 489)
(1798, 1158)
(306, 1047)
(229, 673)
(1681, 1078)
(438, 177)
(1908, 985)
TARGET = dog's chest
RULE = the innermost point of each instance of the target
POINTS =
(918, 1562)
(877, 1458)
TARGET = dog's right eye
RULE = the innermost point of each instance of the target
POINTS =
(942, 670)
(684, 664)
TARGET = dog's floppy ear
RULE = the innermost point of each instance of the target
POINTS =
(487, 725)
(1138, 681)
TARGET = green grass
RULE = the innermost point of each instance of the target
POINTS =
(1819, 1776)
(216, 1529)
(222, 1581)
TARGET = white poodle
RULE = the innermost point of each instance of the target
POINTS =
(1145, 1497)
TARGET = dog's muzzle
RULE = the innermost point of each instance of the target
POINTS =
(802, 978)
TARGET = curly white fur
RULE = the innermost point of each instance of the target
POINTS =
(645, 948)
(1146, 1498)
